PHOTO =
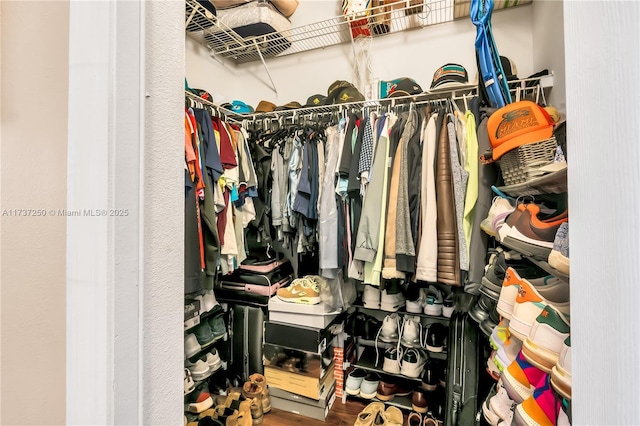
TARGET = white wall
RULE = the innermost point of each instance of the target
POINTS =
(416, 53)
(602, 41)
(34, 37)
(548, 48)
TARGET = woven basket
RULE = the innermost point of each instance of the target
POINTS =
(522, 163)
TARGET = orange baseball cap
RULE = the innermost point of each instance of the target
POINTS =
(519, 123)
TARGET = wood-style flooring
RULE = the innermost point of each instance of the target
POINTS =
(339, 415)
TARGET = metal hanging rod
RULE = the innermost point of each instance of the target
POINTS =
(465, 92)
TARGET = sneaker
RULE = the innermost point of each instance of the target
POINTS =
(199, 370)
(561, 372)
(530, 303)
(390, 328)
(391, 302)
(354, 380)
(545, 339)
(371, 297)
(415, 298)
(531, 235)
(433, 301)
(448, 305)
(511, 287)
(492, 369)
(380, 21)
(497, 269)
(208, 302)
(199, 400)
(507, 353)
(431, 375)
(559, 256)
(541, 408)
(508, 421)
(499, 334)
(498, 212)
(302, 290)
(488, 324)
(509, 222)
(217, 326)
(369, 386)
(491, 417)
(500, 403)
(482, 309)
(436, 335)
(189, 384)
(203, 334)
(411, 332)
(191, 345)
(213, 360)
(413, 362)
(391, 363)
(521, 378)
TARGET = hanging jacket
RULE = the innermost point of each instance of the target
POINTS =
(427, 264)
(459, 177)
(448, 260)
(471, 166)
(328, 217)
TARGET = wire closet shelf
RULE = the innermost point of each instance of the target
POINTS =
(529, 88)
(213, 32)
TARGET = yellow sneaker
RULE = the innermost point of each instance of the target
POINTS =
(301, 290)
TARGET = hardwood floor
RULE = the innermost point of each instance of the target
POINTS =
(340, 415)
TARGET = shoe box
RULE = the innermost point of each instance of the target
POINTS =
(317, 316)
(315, 409)
(300, 384)
(191, 314)
(308, 339)
(296, 361)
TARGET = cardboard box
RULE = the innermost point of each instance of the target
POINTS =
(191, 309)
(315, 409)
(307, 363)
(306, 339)
(317, 316)
(300, 384)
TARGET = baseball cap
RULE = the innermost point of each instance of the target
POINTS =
(509, 68)
(403, 87)
(516, 124)
(341, 91)
(240, 107)
(316, 100)
(265, 106)
(289, 105)
(449, 75)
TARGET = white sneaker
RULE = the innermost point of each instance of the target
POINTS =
(199, 370)
(213, 360)
(189, 384)
(389, 332)
(500, 209)
(433, 302)
(416, 306)
(500, 403)
(413, 362)
(508, 421)
(391, 302)
(448, 305)
(191, 345)
(371, 297)
(391, 363)
(411, 332)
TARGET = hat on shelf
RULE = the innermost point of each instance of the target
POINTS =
(341, 91)
(449, 75)
(265, 106)
(400, 87)
(509, 68)
(516, 124)
(316, 100)
(240, 107)
(290, 105)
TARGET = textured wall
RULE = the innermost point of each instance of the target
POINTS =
(164, 214)
(602, 41)
(34, 46)
(548, 46)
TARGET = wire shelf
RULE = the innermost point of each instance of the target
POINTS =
(392, 17)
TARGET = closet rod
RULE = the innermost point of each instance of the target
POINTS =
(459, 93)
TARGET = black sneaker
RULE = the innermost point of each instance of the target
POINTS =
(482, 308)
(436, 336)
(498, 264)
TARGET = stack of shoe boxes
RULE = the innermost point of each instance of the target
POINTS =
(299, 368)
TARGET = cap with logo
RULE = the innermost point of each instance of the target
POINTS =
(516, 124)
(402, 87)
(289, 105)
(239, 107)
(316, 100)
(341, 91)
(449, 75)
(265, 106)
